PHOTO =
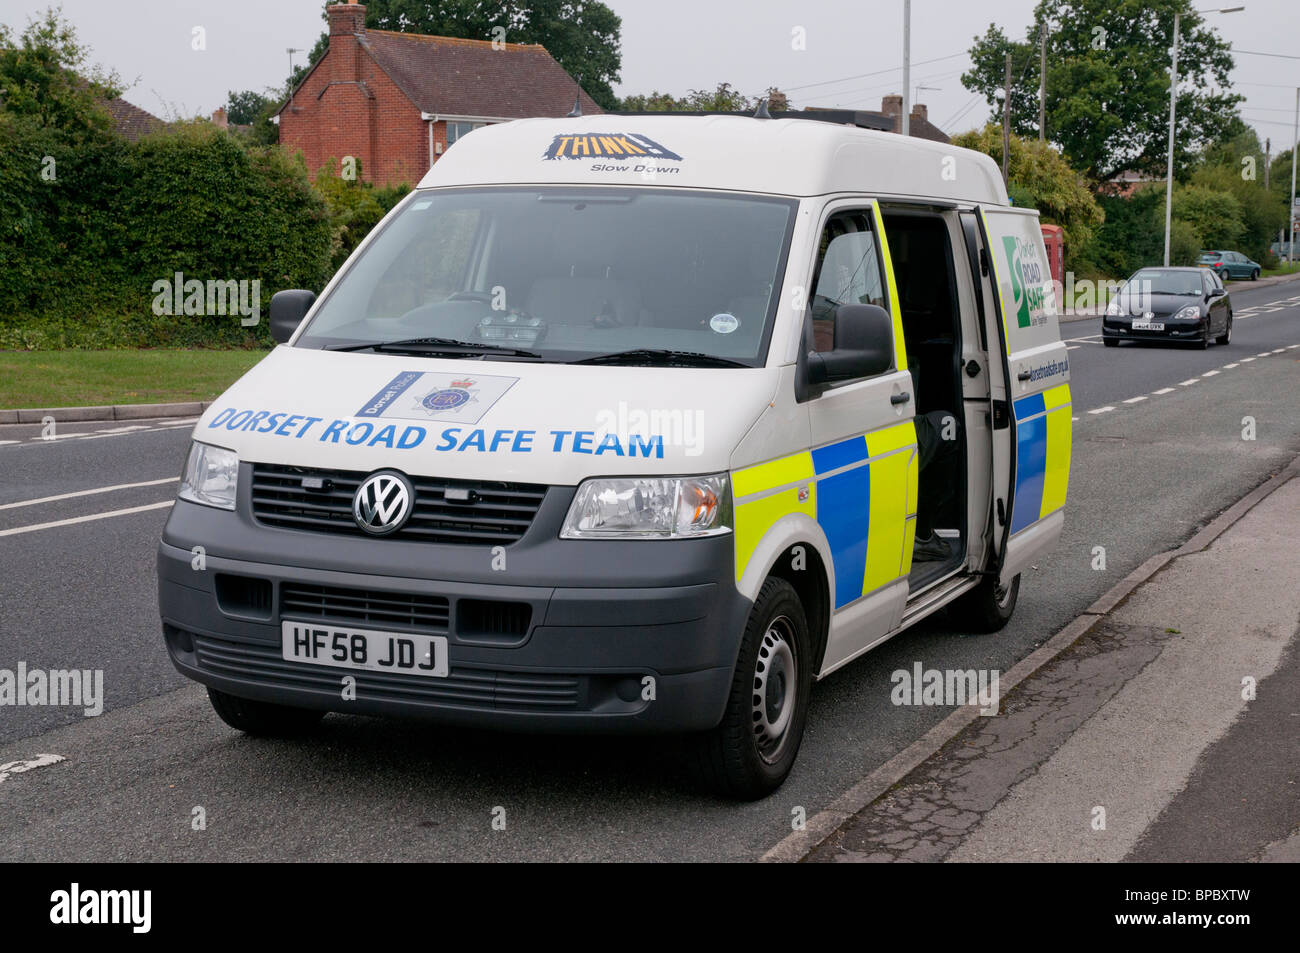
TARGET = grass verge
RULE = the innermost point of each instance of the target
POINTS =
(31, 379)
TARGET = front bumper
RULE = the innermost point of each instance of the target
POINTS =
(1113, 327)
(588, 621)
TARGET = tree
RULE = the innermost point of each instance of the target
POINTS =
(45, 78)
(254, 109)
(1108, 82)
(1216, 216)
(1040, 178)
(721, 98)
(582, 35)
(1234, 165)
(243, 108)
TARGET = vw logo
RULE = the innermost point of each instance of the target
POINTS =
(383, 503)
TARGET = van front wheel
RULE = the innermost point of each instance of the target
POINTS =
(988, 607)
(748, 755)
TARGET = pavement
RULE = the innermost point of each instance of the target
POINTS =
(1166, 732)
(1158, 455)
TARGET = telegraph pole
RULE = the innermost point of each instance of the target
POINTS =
(906, 126)
(1267, 153)
(1295, 146)
(1006, 126)
(1173, 103)
(1042, 82)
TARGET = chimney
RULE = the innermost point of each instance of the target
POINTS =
(919, 112)
(219, 118)
(892, 105)
(346, 19)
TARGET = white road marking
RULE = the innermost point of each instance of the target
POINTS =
(1074, 419)
(1072, 347)
(1263, 353)
(1278, 350)
(1188, 383)
(1246, 360)
(83, 519)
(115, 432)
(1290, 347)
(1209, 373)
(22, 767)
(101, 489)
(1163, 390)
(1102, 410)
(1135, 400)
(1228, 367)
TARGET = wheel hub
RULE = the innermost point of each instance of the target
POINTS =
(775, 681)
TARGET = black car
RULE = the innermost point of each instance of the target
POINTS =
(1169, 304)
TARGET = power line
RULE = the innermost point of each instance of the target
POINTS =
(865, 89)
(892, 69)
(1280, 56)
(1271, 85)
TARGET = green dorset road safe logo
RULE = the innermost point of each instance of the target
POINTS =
(1026, 280)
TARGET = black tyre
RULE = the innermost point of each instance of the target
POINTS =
(988, 607)
(263, 718)
(748, 755)
(1204, 342)
(1254, 275)
(1226, 336)
(1110, 342)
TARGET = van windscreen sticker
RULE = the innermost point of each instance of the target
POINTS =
(426, 395)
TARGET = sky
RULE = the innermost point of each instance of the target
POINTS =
(852, 49)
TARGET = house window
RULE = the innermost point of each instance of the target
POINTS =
(457, 129)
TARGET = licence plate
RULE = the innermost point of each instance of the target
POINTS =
(1148, 326)
(394, 652)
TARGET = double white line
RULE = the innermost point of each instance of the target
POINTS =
(17, 530)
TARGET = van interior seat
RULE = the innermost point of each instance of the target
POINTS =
(580, 300)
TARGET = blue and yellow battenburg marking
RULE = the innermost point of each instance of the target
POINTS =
(1043, 426)
(861, 491)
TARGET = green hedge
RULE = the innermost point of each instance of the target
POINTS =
(79, 254)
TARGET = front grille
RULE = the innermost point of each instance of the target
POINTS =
(491, 513)
(368, 606)
(479, 688)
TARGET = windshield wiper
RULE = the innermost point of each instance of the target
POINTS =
(661, 357)
(435, 347)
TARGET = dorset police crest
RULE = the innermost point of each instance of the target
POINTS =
(415, 395)
(440, 401)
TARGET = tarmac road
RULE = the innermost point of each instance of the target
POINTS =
(1145, 474)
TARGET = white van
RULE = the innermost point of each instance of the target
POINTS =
(630, 424)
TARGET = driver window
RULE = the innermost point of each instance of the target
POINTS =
(848, 272)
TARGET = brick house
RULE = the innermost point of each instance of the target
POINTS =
(397, 101)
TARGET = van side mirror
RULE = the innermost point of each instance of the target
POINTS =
(863, 345)
(288, 308)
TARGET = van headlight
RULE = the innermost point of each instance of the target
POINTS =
(1190, 313)
(210, 477)
(652, 508)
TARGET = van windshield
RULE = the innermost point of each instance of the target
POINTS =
(567, 274)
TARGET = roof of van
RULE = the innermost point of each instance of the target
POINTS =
(733, 153)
